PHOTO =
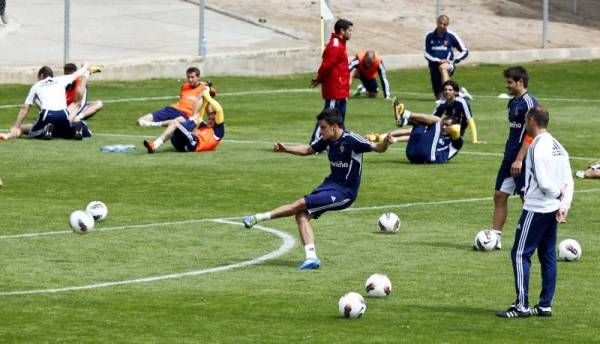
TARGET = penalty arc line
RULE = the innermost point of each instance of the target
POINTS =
(286, 246)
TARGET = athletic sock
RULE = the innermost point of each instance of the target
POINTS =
(310, 251)
(158, 142)
(497, 232)
(263, 217)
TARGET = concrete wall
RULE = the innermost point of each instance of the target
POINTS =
(281, 62)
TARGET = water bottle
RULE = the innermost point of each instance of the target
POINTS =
(117, 148)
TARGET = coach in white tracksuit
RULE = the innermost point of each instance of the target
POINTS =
(548, 196)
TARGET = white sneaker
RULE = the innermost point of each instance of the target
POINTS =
(465, 94)
(580, 174)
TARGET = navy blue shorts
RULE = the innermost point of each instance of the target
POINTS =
(506, 183)
(327, 196)
(369, 84)
(167, 113)
(183, 138)
(422, 143)
(60, 120)
(340, 105)
(436, 78)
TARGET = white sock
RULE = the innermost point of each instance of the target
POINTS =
(497, 232)
(406, 114)
(144, 123)
(263, 217)
(158, 142)
(155, 124)
(310, 251)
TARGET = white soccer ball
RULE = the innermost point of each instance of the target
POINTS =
(97, 210)
(485, 240)
(569, 250)
(81, 222)
(378, 285)
(388, 223)
(352, 305)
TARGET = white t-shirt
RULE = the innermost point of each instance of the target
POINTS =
(548, 172)
(50, 92)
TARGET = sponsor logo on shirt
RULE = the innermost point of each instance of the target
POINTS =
(339, 164)
(515, 125)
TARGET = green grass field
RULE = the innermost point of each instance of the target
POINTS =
(164, 212)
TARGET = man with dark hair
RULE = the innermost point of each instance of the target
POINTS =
(53, 120)
(439, 52)
(188, 96)
(510, 179)
(547, 199)
(77, 95)
(338, 191)
(454, 105)
(367, 66)
(333, 74)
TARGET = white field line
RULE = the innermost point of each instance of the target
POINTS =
(302, 90)
(288, 243)
(286, 246)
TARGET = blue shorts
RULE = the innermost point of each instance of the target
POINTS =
(436, 77)
(60, 120)
(369, 84)
(167, 113)
(327, 196)
(183, 138)
(422, 143)
(508, 184)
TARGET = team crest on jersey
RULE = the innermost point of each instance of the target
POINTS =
(445, 43)
(342, 149)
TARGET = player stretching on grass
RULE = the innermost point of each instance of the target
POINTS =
(338, 190)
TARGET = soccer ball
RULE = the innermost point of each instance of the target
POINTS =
(569, 250)
(388, 223)
(485, 240)
(81, 222)
(378, 285)
(97, 210)
(352, 305)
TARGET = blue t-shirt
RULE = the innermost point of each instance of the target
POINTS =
(345, 159)
(517, 108)
(447, 148)
(459, 110)
(441, 48)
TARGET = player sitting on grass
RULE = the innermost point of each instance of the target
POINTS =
(53, 119)
(76, 93)
(338, 191)
(432, 139)
(194, 134)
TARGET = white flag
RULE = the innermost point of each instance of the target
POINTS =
(326, 12)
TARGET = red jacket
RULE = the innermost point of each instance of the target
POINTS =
(334, 74)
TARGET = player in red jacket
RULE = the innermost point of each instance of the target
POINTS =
(333, 74)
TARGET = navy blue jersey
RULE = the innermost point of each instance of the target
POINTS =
(447, 148)
(460, 110)
(441, 48)
(517, 108)
(345, 158)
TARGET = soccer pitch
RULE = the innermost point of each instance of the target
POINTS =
(171, 263)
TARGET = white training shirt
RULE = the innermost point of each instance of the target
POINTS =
(50, 92)
(548, 171)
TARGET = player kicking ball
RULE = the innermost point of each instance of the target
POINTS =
(338, 191)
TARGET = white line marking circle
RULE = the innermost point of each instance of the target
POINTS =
(286, 246)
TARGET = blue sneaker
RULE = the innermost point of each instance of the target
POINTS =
(250, 221)
(309, 264)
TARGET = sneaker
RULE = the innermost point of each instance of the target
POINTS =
(95, 69)
(310, 264)
(374, 137)
(537, 311)
(149, 146)
(399, 112)
(580, 174)
(78, 131)
(465, 94)
(47, 132)
(358, 91)
(513, 312)
(250, 221)
(498, 243)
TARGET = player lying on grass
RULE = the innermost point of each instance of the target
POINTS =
(592, 172)
(53, 119)
(189, 95)
(194, 134)
(432, 139)
(338, 191)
